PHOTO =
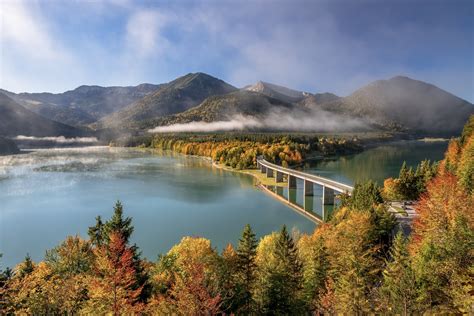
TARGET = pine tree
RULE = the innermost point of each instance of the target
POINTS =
(246, 267)
(228, 280)
(353, 284)
(285, 282)
(96, 233)
(26, 267)
(119, 224)
(364, 197)
(399, 282)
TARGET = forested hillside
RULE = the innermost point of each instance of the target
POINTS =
(176, 96)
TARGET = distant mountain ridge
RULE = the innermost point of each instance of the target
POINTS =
(176, 96)
(399, 104)
(83, 105)
(402, 103)
(17, 120)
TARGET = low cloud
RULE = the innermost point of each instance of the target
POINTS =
(315, 121)
(236, 123)
(58, 139)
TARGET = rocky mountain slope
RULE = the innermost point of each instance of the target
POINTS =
(314, 100)
(278, 92)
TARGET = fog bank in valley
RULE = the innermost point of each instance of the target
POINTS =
(58, 139)
(314, 121)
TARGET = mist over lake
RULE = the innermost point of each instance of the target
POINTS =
(52, 193)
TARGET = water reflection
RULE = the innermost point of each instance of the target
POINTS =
(377, 163)
(312, 204)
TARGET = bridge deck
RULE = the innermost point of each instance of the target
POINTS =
(337, 186)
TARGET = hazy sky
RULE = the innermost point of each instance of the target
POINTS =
(315, 46)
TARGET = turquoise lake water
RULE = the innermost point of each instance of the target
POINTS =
(46, 195)
(49, 194)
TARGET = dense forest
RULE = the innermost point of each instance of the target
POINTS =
(240, 150)
(357, 263)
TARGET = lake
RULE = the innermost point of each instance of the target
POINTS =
(48, 194)
(377, 163)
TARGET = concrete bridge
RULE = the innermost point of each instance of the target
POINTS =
(329, 187)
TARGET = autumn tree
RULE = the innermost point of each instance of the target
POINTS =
(443, 239)
(354, 263)
(114, 289)
(191, 292)
(315, 258)
(73, 256)
(188, 275)
(399, 282)
(390, 191)
(118, 223)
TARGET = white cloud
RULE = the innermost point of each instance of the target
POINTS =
(144, 33)
(24, 30)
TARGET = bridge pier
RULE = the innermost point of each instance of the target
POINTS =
(291, 182)
(269, 173)
(329, 187)
(328, 196)
(308, 188)
(279, 176)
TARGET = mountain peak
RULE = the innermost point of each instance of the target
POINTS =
(413, 104)
(276, 91)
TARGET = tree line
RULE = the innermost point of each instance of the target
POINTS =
(240, 151)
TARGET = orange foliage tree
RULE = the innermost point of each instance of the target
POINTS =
(113, 287)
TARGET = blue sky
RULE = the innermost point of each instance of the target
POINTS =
(314, 46)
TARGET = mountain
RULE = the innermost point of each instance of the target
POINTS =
(402, 103)
(83, 105)
(314, 100)
(16, 120)
(277, 92)
(177, 96)
(224, 107)
(8, 147)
